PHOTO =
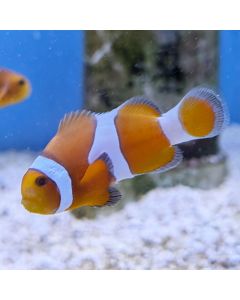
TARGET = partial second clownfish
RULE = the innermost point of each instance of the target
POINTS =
(91, 152)
(14, 87)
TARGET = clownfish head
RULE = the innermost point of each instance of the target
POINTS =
(46, 187)
(40, 194)
(14, 88)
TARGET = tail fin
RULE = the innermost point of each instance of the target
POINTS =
(200, 114)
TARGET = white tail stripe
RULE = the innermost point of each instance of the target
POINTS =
(106, 140)
(60, 176)
(172, 127)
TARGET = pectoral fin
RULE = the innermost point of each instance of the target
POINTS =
(94, 189)
(114, 196)
(3, 91)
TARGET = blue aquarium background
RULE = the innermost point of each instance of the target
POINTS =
(229, 71)
(53, 62)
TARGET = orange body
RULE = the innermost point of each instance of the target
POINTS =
(90, 152)
(145, 146)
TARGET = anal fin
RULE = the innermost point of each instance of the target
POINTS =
(174, 162)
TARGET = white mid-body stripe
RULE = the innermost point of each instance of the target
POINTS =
(172, 127)
(59, 175)
(106, 140)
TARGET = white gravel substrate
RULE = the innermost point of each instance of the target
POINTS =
(179, 227)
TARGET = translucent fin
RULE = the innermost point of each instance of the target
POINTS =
(3, 91)
(108, 162)
(114, 196)
(177, 159)
(141, 105)
(73, 141)
(94, 186)
(74, 119)
(203, 113)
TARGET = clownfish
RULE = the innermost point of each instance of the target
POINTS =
(90, 151)
(14, 87)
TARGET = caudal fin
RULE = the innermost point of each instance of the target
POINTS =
(200, 114)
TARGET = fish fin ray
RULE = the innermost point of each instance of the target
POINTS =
(94, 188)
(208, 111)
(165, 165)
(104, 156)
(114, 196)
(3, 91)
(177, 159)
(75, 118)
(142, 106)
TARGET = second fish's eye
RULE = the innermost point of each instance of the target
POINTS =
(21, 82)
(40, 181)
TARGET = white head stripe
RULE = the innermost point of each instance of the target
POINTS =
(59, 175)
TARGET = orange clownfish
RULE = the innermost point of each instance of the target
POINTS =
(14, 87)
(90, 152)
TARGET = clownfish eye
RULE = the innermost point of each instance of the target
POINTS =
(40, 181)
(21, 82)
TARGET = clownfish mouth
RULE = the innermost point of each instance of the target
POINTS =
(27, 200)
(29, 205)
(36, 207)
(33, 207)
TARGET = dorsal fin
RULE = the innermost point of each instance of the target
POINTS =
(72, 143)
(142, 106)
(73, 119)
